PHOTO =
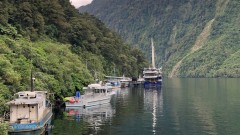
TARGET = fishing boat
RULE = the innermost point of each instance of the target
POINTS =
(95, 94)
(152, 75)
(30, 112)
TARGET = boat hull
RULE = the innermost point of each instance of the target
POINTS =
(124, 84)
(31, 128)
(148, 85)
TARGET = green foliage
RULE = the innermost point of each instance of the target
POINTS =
(55, 67)
(64, 49)
(8, 30)
(3, 128)
(60, 21)
(175, 27)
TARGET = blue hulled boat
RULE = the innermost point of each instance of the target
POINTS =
(152, 75)
(30, 112)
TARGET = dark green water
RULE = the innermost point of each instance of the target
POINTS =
(181, 107)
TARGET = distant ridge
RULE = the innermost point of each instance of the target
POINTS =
(194, 38)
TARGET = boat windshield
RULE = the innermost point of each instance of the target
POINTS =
(99, 90)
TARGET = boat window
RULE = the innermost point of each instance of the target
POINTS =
(32, 97)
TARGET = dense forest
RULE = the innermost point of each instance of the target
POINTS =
(65, 50)
(193, 38)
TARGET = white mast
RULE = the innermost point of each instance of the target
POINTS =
(153, 55)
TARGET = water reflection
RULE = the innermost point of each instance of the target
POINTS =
(153, 100)
(95, 116)
(181, 107)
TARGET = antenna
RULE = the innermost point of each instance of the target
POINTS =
(31, 76)
(31, 81)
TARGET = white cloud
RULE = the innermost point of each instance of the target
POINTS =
(78, 3)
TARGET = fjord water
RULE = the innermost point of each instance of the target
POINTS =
(181, 107)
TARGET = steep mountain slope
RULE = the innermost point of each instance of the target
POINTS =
(193, 38)
(65, 49)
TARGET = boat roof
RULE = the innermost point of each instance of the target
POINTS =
(28, 97)
(43, 92)
(116, 77)
(152, 68)
(94, 85)
(25, 101)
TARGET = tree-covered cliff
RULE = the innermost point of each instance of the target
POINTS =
(193, 38)
(64, 48)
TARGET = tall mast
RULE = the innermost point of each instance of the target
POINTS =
(153, 54)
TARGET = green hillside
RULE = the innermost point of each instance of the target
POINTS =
(64, 49)
(193, 38)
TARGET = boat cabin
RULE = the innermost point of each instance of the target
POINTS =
(28, 107)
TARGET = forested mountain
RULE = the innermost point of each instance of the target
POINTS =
(193, 38)
(64, 49)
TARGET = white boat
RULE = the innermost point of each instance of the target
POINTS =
(30, 112)
(125, 81)
(140, 79)
(115, 83)
(152, 75)
(95, 94)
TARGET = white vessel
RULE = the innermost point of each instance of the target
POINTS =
(95, 94)
(140, 79)
(124, 81)
(152, 75)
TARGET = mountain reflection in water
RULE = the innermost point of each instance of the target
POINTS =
(184, 106)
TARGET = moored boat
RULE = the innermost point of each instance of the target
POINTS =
(95, 94)
(152, 75)
(125, 82)
(140, 80)
(30, 112)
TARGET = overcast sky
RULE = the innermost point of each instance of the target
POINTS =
(78, 3)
